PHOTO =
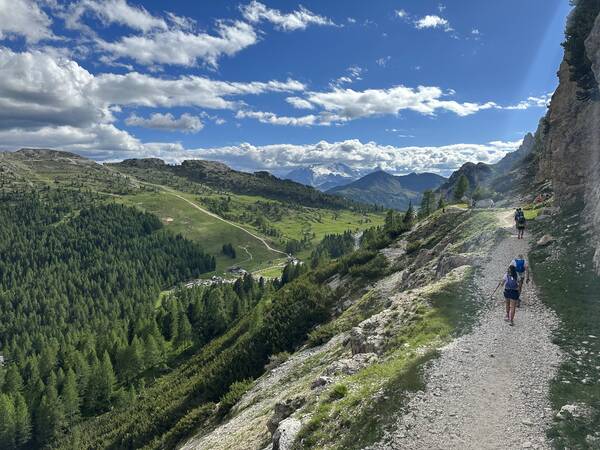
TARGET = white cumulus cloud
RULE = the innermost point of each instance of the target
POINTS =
(432, 21)
(186, 122)
(179, 47)
(24, 18)
(299, 103)
(255, 12)
(532, 102)
(349, 104)
(274, 119)
(112, 12)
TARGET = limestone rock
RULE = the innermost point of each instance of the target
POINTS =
(283, 410)
(545, 240)
(425, 255)
(285, 435)
(567, 153)
(575, 410)
(449, 262)
(363, 342)
(321, 381)
(349, 366)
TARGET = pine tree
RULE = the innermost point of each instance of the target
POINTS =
(462, 186)
(70, 398)
(215, 321)
(390, 222)
(409, 216)
(169, 323)
(12, 381)
(100, 386)
(49, 418)
(184, 330)
(427, 204)
(152, 355)
(104, 380)
(7, 422)
(22, 421)
(441, 202)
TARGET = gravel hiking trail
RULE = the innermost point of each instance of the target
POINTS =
(489, 388)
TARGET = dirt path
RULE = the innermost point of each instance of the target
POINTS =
(247, 252)
(489, 388)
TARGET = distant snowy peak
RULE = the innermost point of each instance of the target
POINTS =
(325, 176)
(336, 169)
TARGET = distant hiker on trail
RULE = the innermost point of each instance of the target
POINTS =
(511, 292)
(522, 269)
(520, 222)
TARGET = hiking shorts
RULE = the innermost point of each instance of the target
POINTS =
(511, 294)
(520, 226)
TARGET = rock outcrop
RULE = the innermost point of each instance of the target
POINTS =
(568, 153)
(284, 436)
(283, 410)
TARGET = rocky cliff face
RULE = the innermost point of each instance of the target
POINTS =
(569, 151)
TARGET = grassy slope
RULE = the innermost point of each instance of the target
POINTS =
(213, 233)
(198, 226)
(59, 169)
(295, 221)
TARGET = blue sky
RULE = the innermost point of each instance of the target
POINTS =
(403, 85)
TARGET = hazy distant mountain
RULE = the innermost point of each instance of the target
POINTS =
(324, 176)
(390, 191)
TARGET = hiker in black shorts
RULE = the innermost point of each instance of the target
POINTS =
(511, 293)
(520, 222)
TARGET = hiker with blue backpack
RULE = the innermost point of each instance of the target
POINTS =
(522, 269)
(511, 292)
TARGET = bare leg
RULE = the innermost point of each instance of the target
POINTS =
(507, 309)
(513, 307)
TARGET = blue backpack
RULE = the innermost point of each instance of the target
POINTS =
(511, 283)
(520, 265)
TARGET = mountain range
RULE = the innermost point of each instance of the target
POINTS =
(390, 191)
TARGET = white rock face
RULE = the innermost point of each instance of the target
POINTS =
(575, 410)
(284, 436)
(570, 155)
(545, 240)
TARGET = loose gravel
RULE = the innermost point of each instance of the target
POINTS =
(489, 388)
